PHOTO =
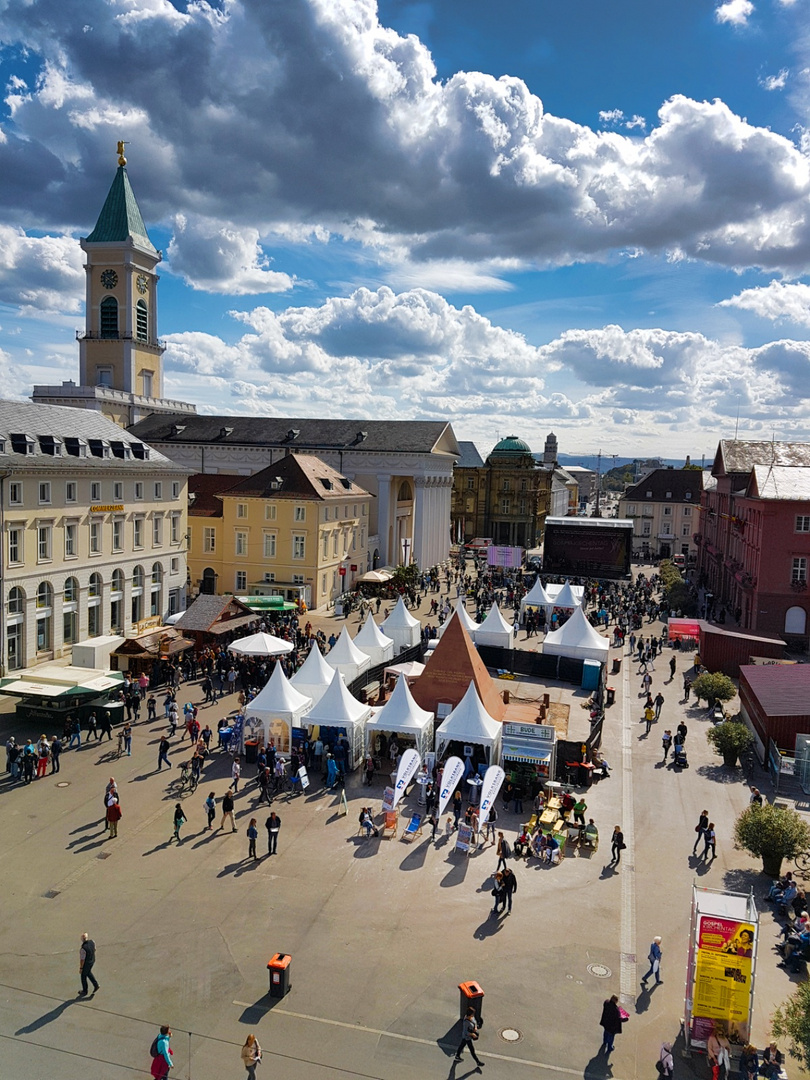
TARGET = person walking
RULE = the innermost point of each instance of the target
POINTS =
(251, 1055)
(649, 716)
(672, 666)
(87, 959)
(489, 826)
(113, 813)
(666, 742)
(74, 727)
(617, 844)
(236, 773)
(658, 701)
(179, 820)
(210, 805)
(56, 750)
(163, 753)
(227, 811)
(469, 1037)
(666, 1060)
(252, 835)
(504, 851)
(126, 732)
(509, 882)
(654, 956)
(273, 824)
(611, 1022)
(457, 807)
(700, 829)
(710, 839)
(162, 1054)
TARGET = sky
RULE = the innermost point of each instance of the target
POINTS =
(518, 217)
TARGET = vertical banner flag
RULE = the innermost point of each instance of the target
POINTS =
(493, 779)
(388, 800)
(453, 772)
(408, 764)
(723, 973)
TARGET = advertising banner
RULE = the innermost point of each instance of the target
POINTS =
(493, 779)
(408, 764)
(453, 772)
(722, 990)
(388, 800)
(464, 838)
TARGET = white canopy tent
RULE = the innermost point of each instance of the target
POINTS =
(470, 722)
(536, 597)
(314, 675)
(260, 645)
(373, 642)
(577, 639)
(337, 708)
(565, 596)
(276, 710)
(376, 577)
(470, 625)
(345, 657)
(411, 669)
(402, 716)
(494, 630)
(403, 629)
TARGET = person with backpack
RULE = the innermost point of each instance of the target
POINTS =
(665, 1063)
(469, 1035)
(210, 805)
(504, 851)
(178, 820)
(509, 882)
(161, 1052)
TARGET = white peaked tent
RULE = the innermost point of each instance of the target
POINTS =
(279, 707)
(402, 716)
(314, 675)
(373, 642)
(577, 639)
(494, 630)
(566, 596)
(536, 597)
(470, 625)
(470, 722)
(401, 627)
(345, 657)
(337, 708)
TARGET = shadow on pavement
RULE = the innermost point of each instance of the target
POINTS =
(491, 926)
(254, 1013)
(720, 774)
(415, 859)
(156, 848)
(609, 871)
(46, 1018)
(741, 880)
(599, 1066)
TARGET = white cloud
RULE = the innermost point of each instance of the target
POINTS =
(774, 82)
(311, 118)
(778, 300)
(213, 257)
(611, 116)
(736, 12)
(40, 276)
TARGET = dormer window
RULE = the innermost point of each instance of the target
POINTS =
(669, 495)
(98, 448)
(119, 448)
(688, 495)
(649, 494)
(48, 444)
(22, 444)
(75, 447)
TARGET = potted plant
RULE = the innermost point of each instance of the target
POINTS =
(771, 833)
(731, 739)
(713, 686)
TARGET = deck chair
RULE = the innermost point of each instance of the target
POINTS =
(391, 823)
(413, 828)
(574, 835)
(531, 824)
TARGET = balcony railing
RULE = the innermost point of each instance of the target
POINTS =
(150, 343)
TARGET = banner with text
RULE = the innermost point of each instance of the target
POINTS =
(453, 772)
(493, 779)
(723, 972)
(408, 764)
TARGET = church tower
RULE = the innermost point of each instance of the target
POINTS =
(120, 354)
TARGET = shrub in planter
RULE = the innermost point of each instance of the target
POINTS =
(772, 834)
(791, 1021)
(713, 686)
(731, 739)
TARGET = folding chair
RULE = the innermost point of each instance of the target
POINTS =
(391, 823)
(413, 828)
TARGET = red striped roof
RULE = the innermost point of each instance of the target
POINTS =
(780, 689)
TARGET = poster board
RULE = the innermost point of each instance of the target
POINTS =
(304, 778)
(464, 839)
(388, 800)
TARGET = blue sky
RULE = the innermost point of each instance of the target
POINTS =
(519, 217)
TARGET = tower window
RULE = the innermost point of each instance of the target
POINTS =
(108, 310)
(141, 321)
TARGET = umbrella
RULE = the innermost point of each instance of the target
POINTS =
(260, 645)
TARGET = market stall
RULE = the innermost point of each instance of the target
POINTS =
(494, 630)
(261, 644)
(278, 707)
(529, 755)
(338, 713)
(403, 629)
(373, 642)
(151, 653)
(345, 657)
(577, 639)
(469, 624)
(536, 597)
(411, 670)
(567, 596)
(403, 719)
(470, 733)
(50, 693)
(314, 675)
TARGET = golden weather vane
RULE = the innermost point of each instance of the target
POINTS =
(121, 159)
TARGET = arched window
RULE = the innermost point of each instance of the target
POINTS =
(795, 620)
(157, 573)
(95, 586)
(71, 590)
(118, 581)
(137, 577)
(208, 585)
(16, 601)
(405, 492)
(44, 595)
(108, 316)
(44, 617)
(141, 321)
(70, 612)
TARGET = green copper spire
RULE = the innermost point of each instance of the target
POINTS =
(120, 217)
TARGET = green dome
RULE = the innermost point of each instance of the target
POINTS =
(511, 445)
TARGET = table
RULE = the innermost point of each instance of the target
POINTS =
(553, 785)
(423, 782)
(225, 734)
(549, 816)
(554, 804)
(476, 783)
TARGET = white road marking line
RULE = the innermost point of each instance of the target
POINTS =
(627, 975)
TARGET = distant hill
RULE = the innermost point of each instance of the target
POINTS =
(589, 461)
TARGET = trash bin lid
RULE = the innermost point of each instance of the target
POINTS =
(471, 989)
(279, 961)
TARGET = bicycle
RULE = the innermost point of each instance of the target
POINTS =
(188, 778)
(802, 860)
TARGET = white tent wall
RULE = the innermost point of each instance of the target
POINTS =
(314, 675)
(374, 643)
(577, 639)
(279, 707)
(494, 630)
(403, 629)
(337, 708)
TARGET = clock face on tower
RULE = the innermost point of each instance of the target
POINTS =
(109, 279)
(142, 281)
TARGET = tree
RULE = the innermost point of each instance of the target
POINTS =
(771, 833)
(791, 1021)
(731, 739)
(713, 686)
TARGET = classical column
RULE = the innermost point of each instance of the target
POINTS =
(384, 517)
(421, 512)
